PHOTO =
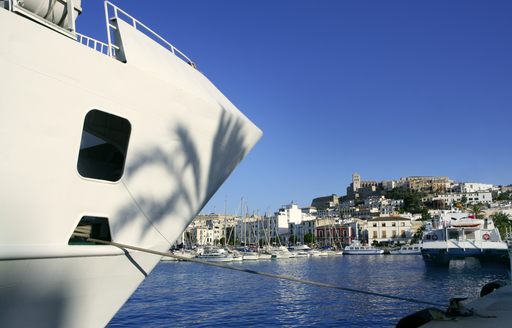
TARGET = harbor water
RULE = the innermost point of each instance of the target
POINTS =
(180, 294)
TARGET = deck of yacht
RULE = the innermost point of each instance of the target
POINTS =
(492, 310)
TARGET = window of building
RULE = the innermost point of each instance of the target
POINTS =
(383, 224)
(384, 234)
(374, 234)
(103, 146)
(375, 224)
(393, 224)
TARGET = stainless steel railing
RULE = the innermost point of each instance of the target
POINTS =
(118, 13)
(93, 43)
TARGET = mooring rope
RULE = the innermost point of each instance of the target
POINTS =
(266, 274)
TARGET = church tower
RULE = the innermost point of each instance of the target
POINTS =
(356, 182)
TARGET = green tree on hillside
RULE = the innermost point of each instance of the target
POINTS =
(504, 196)
(502, 222)
(412, 199)
(477, 210)
(425, 215)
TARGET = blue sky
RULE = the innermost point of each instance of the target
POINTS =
(383, 88)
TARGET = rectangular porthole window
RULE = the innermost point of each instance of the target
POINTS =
(90, 227)
(103, 146)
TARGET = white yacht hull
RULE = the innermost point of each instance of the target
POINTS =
(216, 258)
(365, 252)
(186, 138)
(250, 256)
(263, 256)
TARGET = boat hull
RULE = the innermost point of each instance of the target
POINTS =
(363, 252)
(250, 256)
(186, 139)
(443, 256)
(216, 258)
(53, 292)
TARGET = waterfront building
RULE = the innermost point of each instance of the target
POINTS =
(357, 229)
(389, 229)
(289, 220)
(204, 232)
(298, 222)
(202, 236)
(309, 210)
(249, 230)
(291, 213)
(304, 231)
(283, 217)
(334, 234)
(210, 229)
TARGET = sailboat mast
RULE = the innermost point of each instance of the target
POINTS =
(225, 214)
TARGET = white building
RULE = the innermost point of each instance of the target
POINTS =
(291, 220)
(209, 229)
(292, 213)
(383, 205)
(300, 230)
(205, 232)
(284, 216)
(389, 184)
(484, 197)
(471, 187)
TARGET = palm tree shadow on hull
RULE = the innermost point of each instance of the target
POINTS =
(228, 148)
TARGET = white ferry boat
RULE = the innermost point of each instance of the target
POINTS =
(357, 248)
(123, 140)
(458, 236)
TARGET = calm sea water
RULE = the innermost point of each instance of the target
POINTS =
(180, 294)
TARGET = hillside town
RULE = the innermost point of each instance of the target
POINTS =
(388, 212)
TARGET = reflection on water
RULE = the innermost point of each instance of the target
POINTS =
(188, 294)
